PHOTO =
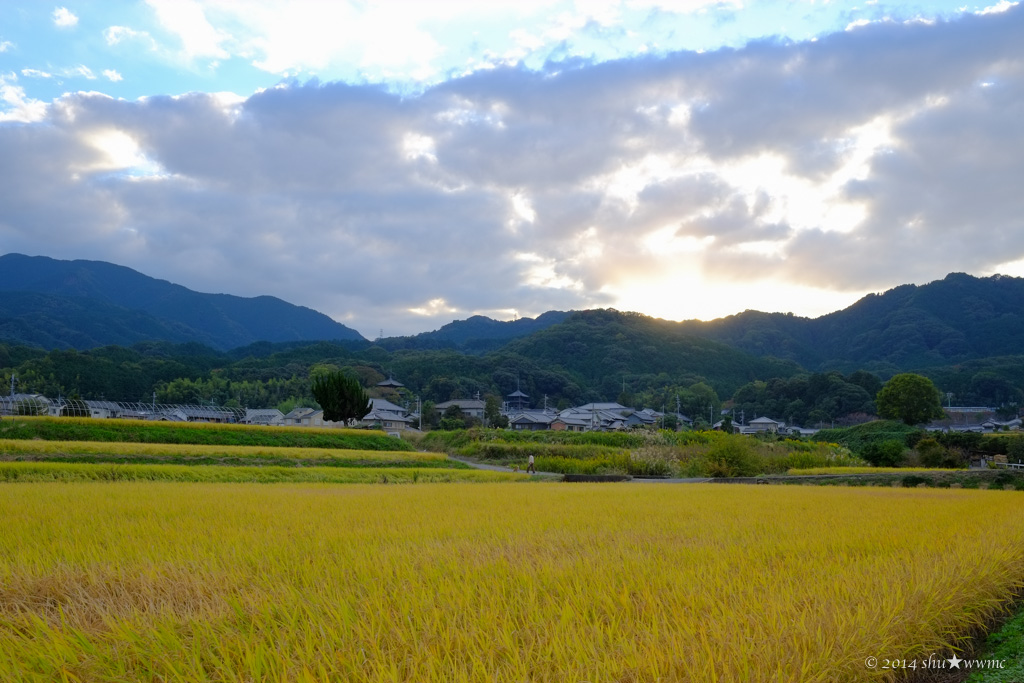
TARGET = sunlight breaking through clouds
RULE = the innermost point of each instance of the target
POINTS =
(444, 161)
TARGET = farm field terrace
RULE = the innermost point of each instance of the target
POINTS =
(640, 452)
(505, 582)
(141, 431)
(192, 454)
(264, 474)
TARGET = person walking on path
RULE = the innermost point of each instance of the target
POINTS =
(529, 465)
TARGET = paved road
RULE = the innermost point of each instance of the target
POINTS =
(494, 468)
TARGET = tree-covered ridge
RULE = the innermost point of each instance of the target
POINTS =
(602, 355)
(476, 334)
(950, 322)
(592, 356)
(956, 319)
(84, 304)
(605, 348)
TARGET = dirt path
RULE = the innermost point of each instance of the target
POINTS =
(502, 468)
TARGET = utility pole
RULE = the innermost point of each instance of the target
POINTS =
(14, 380)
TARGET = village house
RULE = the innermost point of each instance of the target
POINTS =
(470, 407)
(384, 414)
(761, 425)
(531, 420)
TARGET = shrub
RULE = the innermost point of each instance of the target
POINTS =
(884, 453)
(933, 454)
(1015, 449)
(732, 457)
(856, 438)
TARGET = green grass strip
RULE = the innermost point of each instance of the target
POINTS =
(201, 454)
(74, 472)
(140, 431)
(866, 470)
(1005, 646)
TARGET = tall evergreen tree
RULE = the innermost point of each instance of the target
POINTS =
(342, 398)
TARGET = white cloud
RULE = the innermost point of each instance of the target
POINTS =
(15, 106)
(186, 19)
(788, 176)
(35, 73)
(1001, 6)
(112, 75)
(434, 308)
(64, 18)
(5, 45)
(80, 71)
(115, 35)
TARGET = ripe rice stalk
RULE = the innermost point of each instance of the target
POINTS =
(29, 472)
(176, 582)
(37, 450)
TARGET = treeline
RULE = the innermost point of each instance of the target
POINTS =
(605, 355)
(810, 399)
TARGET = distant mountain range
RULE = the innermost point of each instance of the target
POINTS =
(476, 334)
(952, 320)
(85, 304)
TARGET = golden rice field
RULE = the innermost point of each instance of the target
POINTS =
(121, 425)
(262, 474)
(40, 448)
(182, 582)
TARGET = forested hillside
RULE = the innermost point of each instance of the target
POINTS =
(792, 368)
(476, 334)
(592, 356)
(956, 319)
(84, 304)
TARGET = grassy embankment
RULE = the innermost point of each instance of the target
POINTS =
(189, 454)
(640, 453)
(139, 431)
(82, 449)
(1006, 646)
(265, 474)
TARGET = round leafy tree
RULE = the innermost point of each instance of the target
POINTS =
(911, 398)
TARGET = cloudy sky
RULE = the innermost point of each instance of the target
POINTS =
(398, 165)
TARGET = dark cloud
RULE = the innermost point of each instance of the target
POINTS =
(514, 189)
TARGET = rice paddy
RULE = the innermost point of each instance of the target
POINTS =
(186, 582)
(264, 474)
(100, 451)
